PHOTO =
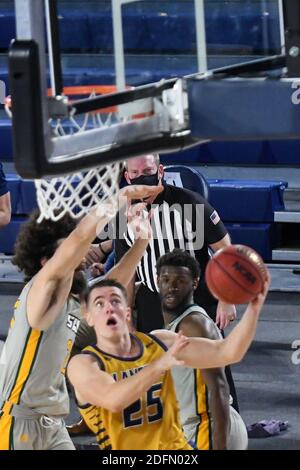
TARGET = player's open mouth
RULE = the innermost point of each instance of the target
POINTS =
(111, 321)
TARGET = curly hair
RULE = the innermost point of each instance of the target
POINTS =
(36, 241)
(179, 257)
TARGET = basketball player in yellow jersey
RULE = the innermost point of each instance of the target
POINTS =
(123, 384)
(33, 394)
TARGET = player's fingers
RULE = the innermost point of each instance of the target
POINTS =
(266, 286)
(181, 338)
(262, 295)
(90, 260)
(182, 342)
(96, 269)
(155, 190)
(225, 322)
(180, 334)
(136, 210)
(179, 347)
(140, 191)
(94, 256)
(218, 320)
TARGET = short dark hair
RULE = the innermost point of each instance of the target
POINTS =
(179, 257)
(105, 283)
(39, 240)
(155, 155)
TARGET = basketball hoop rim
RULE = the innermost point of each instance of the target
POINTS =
(88, 90)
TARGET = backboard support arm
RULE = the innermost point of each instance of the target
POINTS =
(54, 47)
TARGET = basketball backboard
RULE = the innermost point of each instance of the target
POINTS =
(151, 46)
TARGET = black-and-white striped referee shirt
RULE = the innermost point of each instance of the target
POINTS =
(180, 219)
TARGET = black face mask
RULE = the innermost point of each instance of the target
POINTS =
(148, 180)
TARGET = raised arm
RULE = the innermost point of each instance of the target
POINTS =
(202, 353)
(124, 270)
(51, 286)
(99, 388)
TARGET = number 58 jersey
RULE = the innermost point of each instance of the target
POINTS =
(152, 422)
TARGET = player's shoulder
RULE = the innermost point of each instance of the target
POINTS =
(149, 340)
(85, 359)
(164, 337)
(199, 325)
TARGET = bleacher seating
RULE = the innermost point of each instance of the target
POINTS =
(9, 233)
(246, 207)
(6, 150)
(261, 237)
(277, 152)
(156, 26)
(14, 186)
(256, 202)
(238, 29)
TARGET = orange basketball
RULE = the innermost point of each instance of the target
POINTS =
(236, 274)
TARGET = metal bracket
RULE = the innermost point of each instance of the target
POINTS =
(176, 102)
(58, 107)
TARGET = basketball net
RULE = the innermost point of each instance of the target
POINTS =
(77, 193)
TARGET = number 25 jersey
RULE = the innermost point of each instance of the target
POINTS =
(152, 422)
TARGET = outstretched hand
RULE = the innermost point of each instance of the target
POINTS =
(226, 313)
(109, 208)
(139, 221)
(170, 358)
(97, 269)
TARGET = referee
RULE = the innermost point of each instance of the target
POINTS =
(180, 219)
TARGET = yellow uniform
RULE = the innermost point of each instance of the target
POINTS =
(151, 422)
(32, 384)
